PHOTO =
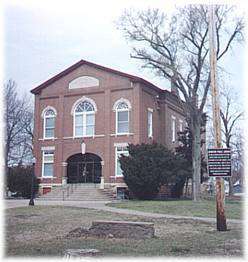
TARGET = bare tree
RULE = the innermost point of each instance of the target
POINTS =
(177, 49)
(230, 117)
(19, 126)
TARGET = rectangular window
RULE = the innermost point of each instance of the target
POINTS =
(118, 152)
(173, 129)
(78, 125)
(49, 127)
(122, 122)
(181, 125)
(149, 123)
(90, 125)
(84, 125)
(47, 164)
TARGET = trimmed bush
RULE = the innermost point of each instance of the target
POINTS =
(147, 167)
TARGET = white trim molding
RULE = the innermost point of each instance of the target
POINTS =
(122, 100)
(173, 129)
(120, 144)
(122, 134)
(49, 184)
(82, 99)
(47, 148)
(45, 139)
(180, 125)
(48, 108)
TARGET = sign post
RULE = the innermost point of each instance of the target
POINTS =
(221, 219)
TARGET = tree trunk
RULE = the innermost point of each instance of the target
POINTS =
(196, 160)
(230, 186)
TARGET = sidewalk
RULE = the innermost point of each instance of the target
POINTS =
(100, 205)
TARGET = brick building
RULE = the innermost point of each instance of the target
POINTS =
(98, 110)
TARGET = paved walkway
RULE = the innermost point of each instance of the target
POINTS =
(100, 205)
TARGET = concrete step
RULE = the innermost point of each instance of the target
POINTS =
(81, 192)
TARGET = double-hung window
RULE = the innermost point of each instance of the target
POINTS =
(47, 164)
(173, 129)
(149, 122)
(84, 119)
(119, 150)
(122, 118)
(180, 125)
(49, 123)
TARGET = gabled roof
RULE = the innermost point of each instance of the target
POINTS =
(107, 69)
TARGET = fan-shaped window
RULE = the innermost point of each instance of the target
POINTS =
(83, 82)
(84, 107)
(49, 115)
(84, 119)
(122, 108)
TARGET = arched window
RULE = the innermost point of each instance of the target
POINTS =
(84, 119)
(122, 108)
(49, 115)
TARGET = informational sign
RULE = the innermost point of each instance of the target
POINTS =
(219, 162)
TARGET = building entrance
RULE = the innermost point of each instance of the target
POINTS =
(84, 168)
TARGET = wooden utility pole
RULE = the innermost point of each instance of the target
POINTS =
(220, 194)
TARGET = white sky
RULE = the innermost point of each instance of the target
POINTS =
(42, 38)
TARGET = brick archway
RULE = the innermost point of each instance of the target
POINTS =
(84, 168)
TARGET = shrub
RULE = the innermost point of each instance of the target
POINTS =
(19, 181)
(147, 167)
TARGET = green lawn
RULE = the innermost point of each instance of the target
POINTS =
(203, 208)
(40, 231)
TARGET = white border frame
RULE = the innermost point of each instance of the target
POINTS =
(83, 99)
(116, 157)
(122, 100)
(173, 129)
(44, 121)
(49, 162)
(150, 111)
(126, 101)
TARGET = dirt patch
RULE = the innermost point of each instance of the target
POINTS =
(52, 230)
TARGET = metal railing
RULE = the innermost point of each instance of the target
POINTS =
(68, 190)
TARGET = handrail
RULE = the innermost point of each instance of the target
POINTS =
(68, 190)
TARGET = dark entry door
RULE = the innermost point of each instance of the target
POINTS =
(84, 168)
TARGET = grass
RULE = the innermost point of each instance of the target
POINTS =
(40, 231)
(203, 208)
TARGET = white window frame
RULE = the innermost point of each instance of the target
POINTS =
(116, 121)
(180, 125)
(123, 151)
(150, 127)
(45, 117)
(116, 110)
(173, 129)
(47, 162)
(84, 114)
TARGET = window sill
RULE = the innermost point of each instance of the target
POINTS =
(82, 136)
(47, 138)
(122, 134)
